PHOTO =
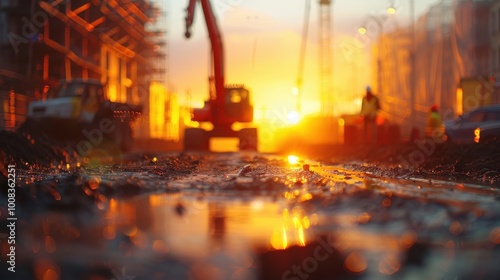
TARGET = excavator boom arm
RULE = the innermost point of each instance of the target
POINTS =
(217, 52)
(222, 110)
(189, 17)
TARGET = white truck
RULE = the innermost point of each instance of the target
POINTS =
(80, 112)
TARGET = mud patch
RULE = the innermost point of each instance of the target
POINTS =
(477, 163)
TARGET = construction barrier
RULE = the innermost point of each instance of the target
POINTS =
(388, 134)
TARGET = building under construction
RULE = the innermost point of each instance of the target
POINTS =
(451, 44)
(44, 42)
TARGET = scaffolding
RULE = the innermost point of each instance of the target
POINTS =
(43, 42)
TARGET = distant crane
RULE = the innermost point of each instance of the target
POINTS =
(302, 55)
(325, 58)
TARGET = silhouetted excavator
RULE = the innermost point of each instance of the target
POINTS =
(227, 104)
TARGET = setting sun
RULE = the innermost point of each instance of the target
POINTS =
(293, 117)
(293, 159)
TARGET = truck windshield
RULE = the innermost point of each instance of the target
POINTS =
(71, 90)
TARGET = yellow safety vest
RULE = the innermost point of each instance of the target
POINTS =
(370, 107)
(434, 127)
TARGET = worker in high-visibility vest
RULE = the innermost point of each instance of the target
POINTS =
(434, 128)
(369, 110)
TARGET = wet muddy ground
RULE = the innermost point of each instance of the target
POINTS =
(335, 213)
(476, 163)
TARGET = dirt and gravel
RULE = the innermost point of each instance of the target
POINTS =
(475, 163)
(401, 212)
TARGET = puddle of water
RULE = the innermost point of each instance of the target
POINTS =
(195, 228)
(220, 234)
(215, 237)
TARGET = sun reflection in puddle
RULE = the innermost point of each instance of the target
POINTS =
(279, 239)
(207, 226)
(293, 229)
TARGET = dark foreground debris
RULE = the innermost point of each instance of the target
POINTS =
(367, 217)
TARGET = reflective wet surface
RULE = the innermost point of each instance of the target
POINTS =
(251, 216)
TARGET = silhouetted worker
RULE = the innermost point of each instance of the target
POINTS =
(434, 128)
(369, 109)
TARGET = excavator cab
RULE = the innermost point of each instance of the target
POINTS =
(237, 108)
(237, 103)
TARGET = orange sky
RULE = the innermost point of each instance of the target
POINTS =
(262, 43)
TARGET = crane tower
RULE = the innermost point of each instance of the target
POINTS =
(325, 58)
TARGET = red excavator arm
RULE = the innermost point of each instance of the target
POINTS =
(227, 104)
(217, 91)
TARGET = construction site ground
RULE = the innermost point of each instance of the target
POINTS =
(337, 212)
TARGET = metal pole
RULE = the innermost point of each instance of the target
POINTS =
(379, 70)
(302, 55)
(325, 62)
(412, 66)
(379, 60)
